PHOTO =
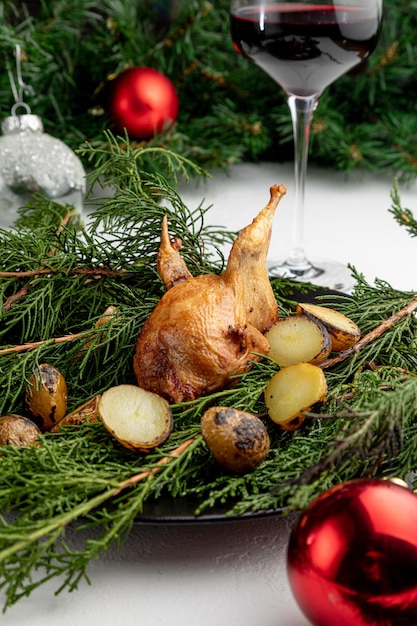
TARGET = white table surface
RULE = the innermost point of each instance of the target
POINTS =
(233, 573)
(347, 217)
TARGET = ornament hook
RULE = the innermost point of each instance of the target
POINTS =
(21, 88)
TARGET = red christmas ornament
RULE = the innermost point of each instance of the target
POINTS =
(352, 556)
(143, 101)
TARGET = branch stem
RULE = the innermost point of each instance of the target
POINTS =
(36, 344)
(85, 507)
(88, 271)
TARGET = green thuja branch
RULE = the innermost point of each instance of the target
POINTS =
(57, 278)
(403, 216)
(39, 541)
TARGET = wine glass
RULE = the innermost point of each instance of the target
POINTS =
(304, 47)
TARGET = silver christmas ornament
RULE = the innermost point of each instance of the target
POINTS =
(33, 161)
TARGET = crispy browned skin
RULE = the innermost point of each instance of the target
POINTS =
(205, 329)
(170, 265)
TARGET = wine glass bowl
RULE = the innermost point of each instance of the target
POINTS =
(304, 47)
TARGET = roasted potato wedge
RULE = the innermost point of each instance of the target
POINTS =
(298, 339)
(238, 440)
(86, 412)
(46, 396)
(343, 332)
(16, 430)
(140, 420)
(292, 391)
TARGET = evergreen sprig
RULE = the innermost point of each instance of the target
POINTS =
(56, 280)
(403, 216)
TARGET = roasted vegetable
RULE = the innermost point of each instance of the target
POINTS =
(298, 339)
(87, 412)
(205, 329)
(292, 391)
(140, 420)
(16, 430)
(343, 332)
(46, 396)
(238, 440)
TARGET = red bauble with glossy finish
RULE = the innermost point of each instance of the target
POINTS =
(142, 100)
(352, 556)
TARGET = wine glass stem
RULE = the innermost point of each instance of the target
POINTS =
(302, 110)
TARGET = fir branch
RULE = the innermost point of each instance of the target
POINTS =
(123, 170)
(53, 316)
(132, 480)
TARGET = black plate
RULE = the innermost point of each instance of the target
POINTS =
(182, 510)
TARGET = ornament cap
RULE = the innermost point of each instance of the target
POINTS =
(21, 123)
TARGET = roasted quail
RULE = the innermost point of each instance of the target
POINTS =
(208, 328)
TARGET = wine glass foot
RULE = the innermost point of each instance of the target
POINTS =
(328, 274)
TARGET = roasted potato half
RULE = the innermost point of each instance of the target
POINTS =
(46, 396)
(87, 412)
(292, 391)
(140, 420)
(344, 333)
(238, 440)
(16, 430)
(298, 339)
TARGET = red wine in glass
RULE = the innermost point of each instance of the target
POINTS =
(305, 47)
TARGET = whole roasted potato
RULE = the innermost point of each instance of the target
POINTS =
(16, 430)
(46, 396)
(238, 440)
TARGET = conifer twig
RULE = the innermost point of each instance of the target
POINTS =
(136, 478)
(85, 507)
(89, 271)
(36, 344)
(15, 297)
(93, 272)
(409, 309)
(34, 273)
